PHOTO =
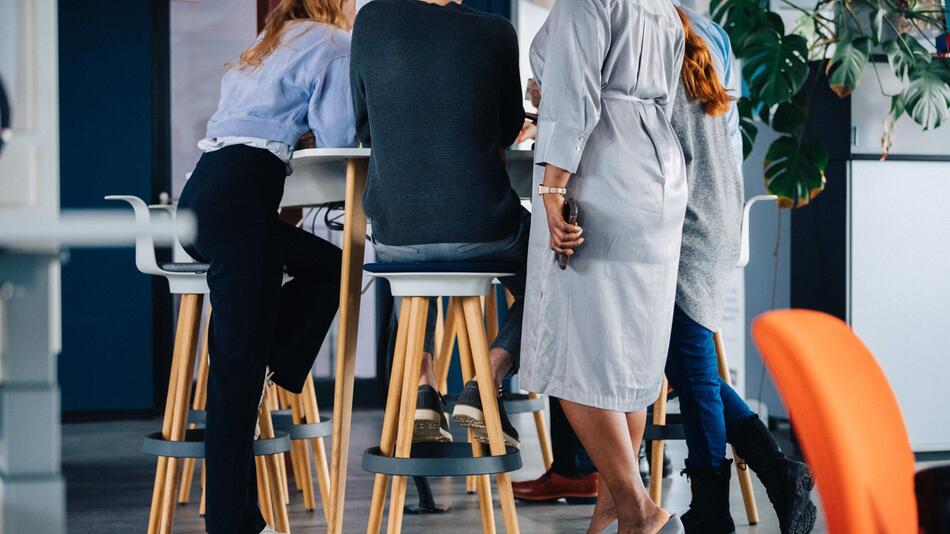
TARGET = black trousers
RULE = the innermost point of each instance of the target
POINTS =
(234, 193)
(570, 456)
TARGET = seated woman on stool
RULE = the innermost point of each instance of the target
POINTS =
(295, 78)
(438, 117)
(706, 122)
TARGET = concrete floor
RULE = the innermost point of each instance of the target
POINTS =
(109, 484)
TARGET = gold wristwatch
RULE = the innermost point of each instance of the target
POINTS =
(545, 190)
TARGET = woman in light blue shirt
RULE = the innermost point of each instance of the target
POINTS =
(293, 80)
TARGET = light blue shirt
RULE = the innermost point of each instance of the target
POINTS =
(720, 48)
(303, 85)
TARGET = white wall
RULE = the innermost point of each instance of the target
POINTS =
(205, 35)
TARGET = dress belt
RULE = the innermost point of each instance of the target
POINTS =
(617, 95)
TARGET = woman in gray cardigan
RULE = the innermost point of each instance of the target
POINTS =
(705, 121)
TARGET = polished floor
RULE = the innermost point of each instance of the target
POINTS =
(109, 488)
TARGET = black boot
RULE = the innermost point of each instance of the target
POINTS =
(709, 510)
(787, 482)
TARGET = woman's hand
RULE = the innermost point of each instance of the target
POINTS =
(528, 131)
(564, 237)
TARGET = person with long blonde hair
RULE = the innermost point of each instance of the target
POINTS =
(294, 79)
(705, 120)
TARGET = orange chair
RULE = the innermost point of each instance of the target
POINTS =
(846, 418)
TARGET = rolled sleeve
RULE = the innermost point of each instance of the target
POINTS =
(560, 145)
(331, 107)
(578, 34)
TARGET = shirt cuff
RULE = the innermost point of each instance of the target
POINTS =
(560, 145)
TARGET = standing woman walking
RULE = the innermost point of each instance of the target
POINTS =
(596, 334)
(706, 122)
(294, 79)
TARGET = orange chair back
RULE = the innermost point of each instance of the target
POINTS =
(846, 419)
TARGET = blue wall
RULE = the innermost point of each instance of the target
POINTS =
(109, 144)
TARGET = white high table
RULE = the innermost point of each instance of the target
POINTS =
(324, 175)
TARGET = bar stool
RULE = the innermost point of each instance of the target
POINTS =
(174, 442)
(515, 403)
(397, 456)
(659, 430)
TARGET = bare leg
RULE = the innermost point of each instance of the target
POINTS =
(605, 512)
(427, 376)
(501, 363)
(608, 438)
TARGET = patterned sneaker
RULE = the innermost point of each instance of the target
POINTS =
(431, 424)
(468, 413)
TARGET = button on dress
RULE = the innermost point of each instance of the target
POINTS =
(598, 333)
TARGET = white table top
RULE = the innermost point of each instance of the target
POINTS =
(320, 174)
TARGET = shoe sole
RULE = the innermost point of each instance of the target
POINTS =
(427, 428)
(804, 512)
(468, 417)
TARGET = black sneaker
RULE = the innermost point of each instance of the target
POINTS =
(468, 413)
(431, 424)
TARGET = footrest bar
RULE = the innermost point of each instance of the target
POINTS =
(193, 445)
(441, 460)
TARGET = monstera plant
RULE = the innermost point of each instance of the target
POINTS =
(841, 35)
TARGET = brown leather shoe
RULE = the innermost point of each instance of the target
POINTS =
(552, 486)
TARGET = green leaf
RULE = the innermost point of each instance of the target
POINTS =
(789, 118)
(898, 108)
(740, 19)
(927, 96)
(847, 64)
(904, 53)
(746, 126)
(795, 171)
(776, 65)
(876, 18)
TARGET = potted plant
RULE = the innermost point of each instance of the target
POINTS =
(841, 34)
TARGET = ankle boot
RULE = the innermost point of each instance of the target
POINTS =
(709, 509)
(787, 482)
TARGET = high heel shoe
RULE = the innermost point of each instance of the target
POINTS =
(673, 526)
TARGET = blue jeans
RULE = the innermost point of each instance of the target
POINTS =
(711, 409)
(512, 249)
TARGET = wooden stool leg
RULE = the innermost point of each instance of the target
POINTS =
(298, 449)
(312, 413)
(387, 442)
(199, 403)
(509, 298)
(302, 465)
(186, 341)
(742, 469)
(444, 358)
(486, 386)
(491, 314)
(480, 483)
(272, 469)
(407, 405)
(543, 439)
(264, 497)
(656, 455)
(273, 404)
(202, 506)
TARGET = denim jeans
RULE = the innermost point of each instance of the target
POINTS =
(513, 250)
(711, 409)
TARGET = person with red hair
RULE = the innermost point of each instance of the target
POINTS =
(705, 121)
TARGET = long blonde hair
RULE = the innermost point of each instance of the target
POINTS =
(326, 11)
(699, 77)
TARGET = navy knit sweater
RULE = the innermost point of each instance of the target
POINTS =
(437, 92)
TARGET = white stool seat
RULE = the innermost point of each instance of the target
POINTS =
(440, 279)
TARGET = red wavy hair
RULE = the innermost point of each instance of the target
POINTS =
(698, 75)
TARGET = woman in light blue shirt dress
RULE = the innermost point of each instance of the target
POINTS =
(596, 334)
